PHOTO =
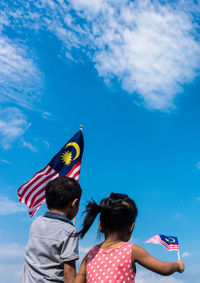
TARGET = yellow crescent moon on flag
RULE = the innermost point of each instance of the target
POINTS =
(172, 240)
(76, 146)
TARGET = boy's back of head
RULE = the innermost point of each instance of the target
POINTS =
(61, 191)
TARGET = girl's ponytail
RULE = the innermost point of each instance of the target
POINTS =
(92, 210)
(117, 213)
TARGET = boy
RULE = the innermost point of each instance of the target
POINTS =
(52, 250)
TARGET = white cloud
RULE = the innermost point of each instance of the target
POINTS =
(84, 250)
(29, 146)
(11, 251)
(47, 144)
(10, 273)
(6, 161)
(13, 124)
(148, 277)
(20, 82)
(11, 258)
(19, 78)
(8, 206)
(186, 254)
(47, 115)
(150, 49)
(3, 19)
(177, 215)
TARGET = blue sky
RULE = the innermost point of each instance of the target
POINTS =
(129, 72)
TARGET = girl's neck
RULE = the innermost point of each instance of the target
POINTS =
(116, 237)
(112, 241)
(112, 238)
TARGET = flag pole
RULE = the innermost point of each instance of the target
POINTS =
(178, 254)
(81, 127)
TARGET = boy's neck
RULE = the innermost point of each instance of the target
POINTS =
(62, 212)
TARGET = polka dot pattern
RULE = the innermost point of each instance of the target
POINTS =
(114, 265)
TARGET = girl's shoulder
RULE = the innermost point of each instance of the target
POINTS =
(123, 247)
(96, 247)
(138, 253)
(137, 249)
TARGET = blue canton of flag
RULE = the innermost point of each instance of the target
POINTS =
(67, 159)
(66, 162)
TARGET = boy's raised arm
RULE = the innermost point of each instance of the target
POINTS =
(141, 256)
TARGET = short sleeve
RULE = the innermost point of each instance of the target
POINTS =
(69, 250)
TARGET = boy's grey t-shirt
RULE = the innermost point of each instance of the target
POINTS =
(48, 248)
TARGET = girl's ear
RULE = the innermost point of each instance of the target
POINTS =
(99, 224)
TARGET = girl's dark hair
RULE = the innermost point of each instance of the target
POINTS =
(117, 213)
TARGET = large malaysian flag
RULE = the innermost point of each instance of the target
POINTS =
(66, 162)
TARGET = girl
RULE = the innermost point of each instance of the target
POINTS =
(114, 259)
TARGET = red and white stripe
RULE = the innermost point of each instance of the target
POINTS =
(169, 247)
(75, 171)
(32, 193)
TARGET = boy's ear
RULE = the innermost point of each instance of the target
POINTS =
(75, 203)
(132, 227)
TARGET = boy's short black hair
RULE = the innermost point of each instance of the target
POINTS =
(61, 191)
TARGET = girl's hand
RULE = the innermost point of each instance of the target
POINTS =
(142, 257)
(181, 266)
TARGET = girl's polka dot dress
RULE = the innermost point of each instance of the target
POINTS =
(109, 266)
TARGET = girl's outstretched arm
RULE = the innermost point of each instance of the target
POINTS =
(81, 276)
(142, 257)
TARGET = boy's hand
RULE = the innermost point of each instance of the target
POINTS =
(181, 266)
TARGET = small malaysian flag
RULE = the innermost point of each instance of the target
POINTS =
(169, 242)
(66, 162)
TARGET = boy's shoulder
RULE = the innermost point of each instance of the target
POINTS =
(43, 225)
